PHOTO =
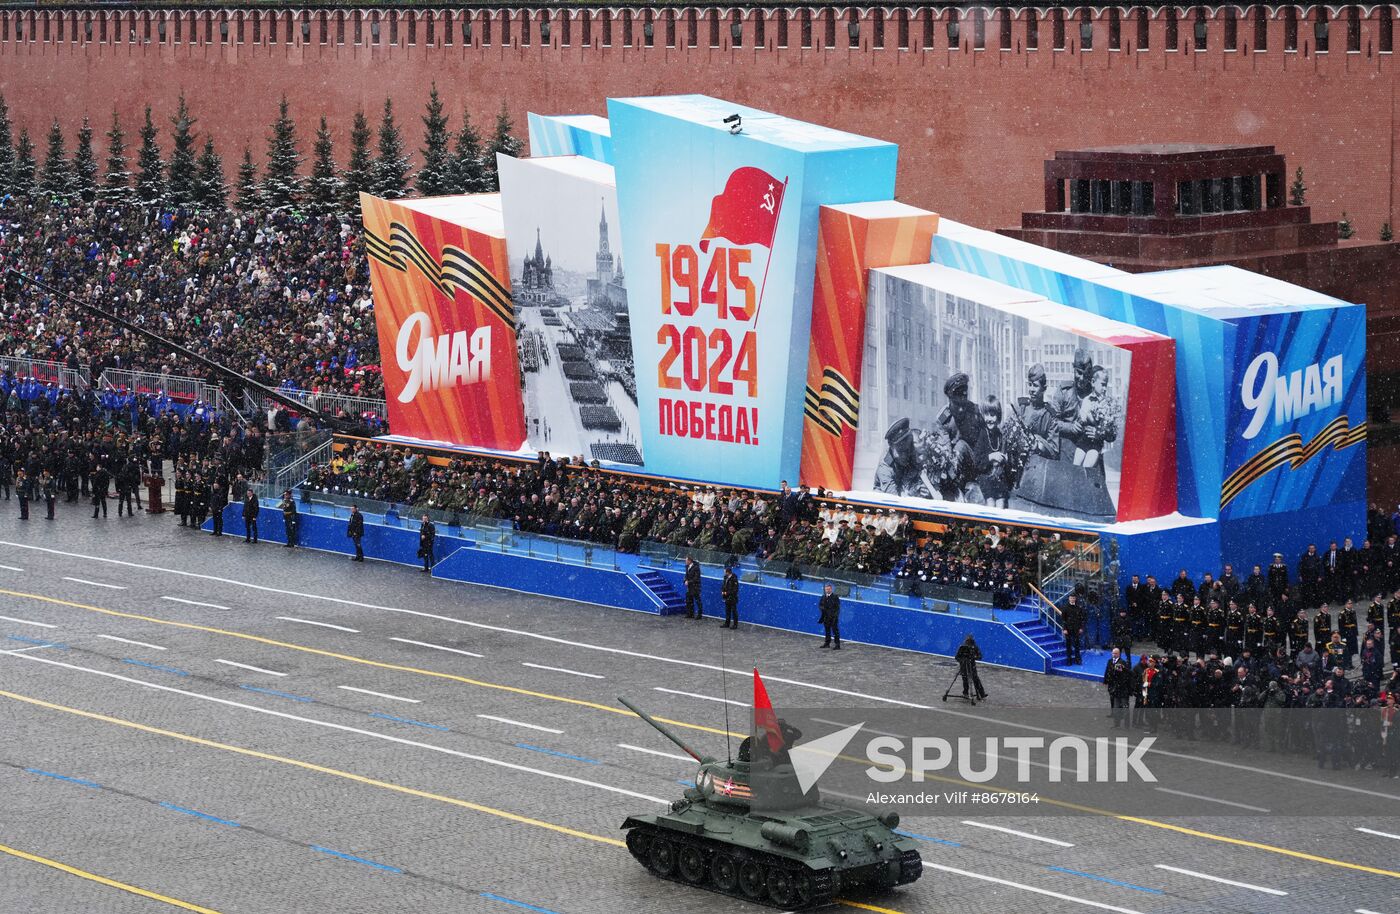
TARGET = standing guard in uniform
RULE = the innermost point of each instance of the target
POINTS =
(427, 534)
(182, 495)
(729, 594)
(356, 531)
(1346, 625)
(1215, 628)
(48, 487)
(290, 520)
(1322, 626)
(1254, 631)
(23, 490)
(1298, 633)
(218, 501)
(251, 509)
(1165, 629)
(101, 479)
(1197, 638)
(1234, 630)
(1181, 625)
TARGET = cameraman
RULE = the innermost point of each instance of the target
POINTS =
(967, 656)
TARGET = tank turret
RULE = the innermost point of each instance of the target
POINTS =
(747, 830)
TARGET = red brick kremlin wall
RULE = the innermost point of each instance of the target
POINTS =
(974, 126)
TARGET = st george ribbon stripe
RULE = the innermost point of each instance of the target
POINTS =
(836, 404)
(458, 269)
(1289, 449)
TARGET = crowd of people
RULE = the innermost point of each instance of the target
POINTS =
(280, 297)
(1311, 636)
(61, 445)
(795, 528)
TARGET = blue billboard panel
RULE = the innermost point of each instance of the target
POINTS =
(584, 135)
(720, 207)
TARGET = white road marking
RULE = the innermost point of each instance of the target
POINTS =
(482, 625)
(724, 701)
(1379, 834)
(28, 622)
(355, 730)
(560, 669)
(155, 647)
(436, 647)
(340, 628)
(246, 666)
(1019, 834)
(11, 568)
(679, 758)
(411, 701)
(194, 603)
(1029, 888)
(519, 723)
(1209, 878)
(671, 660)
(834, 723)
(1197, 796)
(96, 583)
(21, 650)
(1364, 911)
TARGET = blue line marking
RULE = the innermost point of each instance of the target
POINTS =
(200, 815)
(918, 837)
(405, 720)
(64, 777)
(684, 783)
(38, 641)
(288, 695)
(353, 858)
(155, 666)
(518, 904)
(576, 758)
(1126, 885)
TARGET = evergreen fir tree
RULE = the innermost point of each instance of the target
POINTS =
(359, 173)
(85, 164)
(281, 185)
(58, 179)
(435, 177)
(248, 197)
(1298, 191)
(326, 186)
(390, 179)
(467, 177)
(150, 175)
(210, 190)
(116, 185)
(22, 179)
(7, 148)
(1344, 229)
(502, 142)
(183, 170)
(1386, 233)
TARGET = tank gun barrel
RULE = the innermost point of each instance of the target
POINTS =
(664, 732)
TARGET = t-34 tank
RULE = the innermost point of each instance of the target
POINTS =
(747, 830)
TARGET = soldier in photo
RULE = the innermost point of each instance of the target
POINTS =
(899, 472)
(961, 421)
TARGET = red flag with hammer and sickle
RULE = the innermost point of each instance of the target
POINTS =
(746, 212)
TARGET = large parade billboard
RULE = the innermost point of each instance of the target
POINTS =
(976, 392)
(568, 283)
(720, 238)
(446, 322)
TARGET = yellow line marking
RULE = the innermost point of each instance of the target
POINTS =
(103, 880)
(320, 769)
(308, 766)
(1241, 842)
(350, 658)
(866, 907)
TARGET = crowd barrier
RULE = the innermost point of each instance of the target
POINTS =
(486, 551)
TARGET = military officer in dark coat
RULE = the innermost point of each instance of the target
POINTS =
(356, 531)
(694, 606)
(729, 593)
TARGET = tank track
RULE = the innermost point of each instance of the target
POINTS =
(752, 876)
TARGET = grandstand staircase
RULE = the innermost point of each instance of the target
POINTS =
(668, 601)
(1047, 638)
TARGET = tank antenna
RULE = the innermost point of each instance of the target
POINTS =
(724, 689)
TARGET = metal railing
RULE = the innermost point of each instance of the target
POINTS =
(177, 387)
(327, 403)
(43, 370)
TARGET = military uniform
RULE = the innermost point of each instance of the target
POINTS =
(1346, 624)
(1322, 627)
(1234, 631)
(1164, 623)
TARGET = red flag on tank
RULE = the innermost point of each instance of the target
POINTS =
(746, 212)
(765, 719)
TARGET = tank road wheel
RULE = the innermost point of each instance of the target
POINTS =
(661, 857)
(780, 887)
(691, 863)
(724, 871)
(751, 880)
(802, 887)
(637, 843)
